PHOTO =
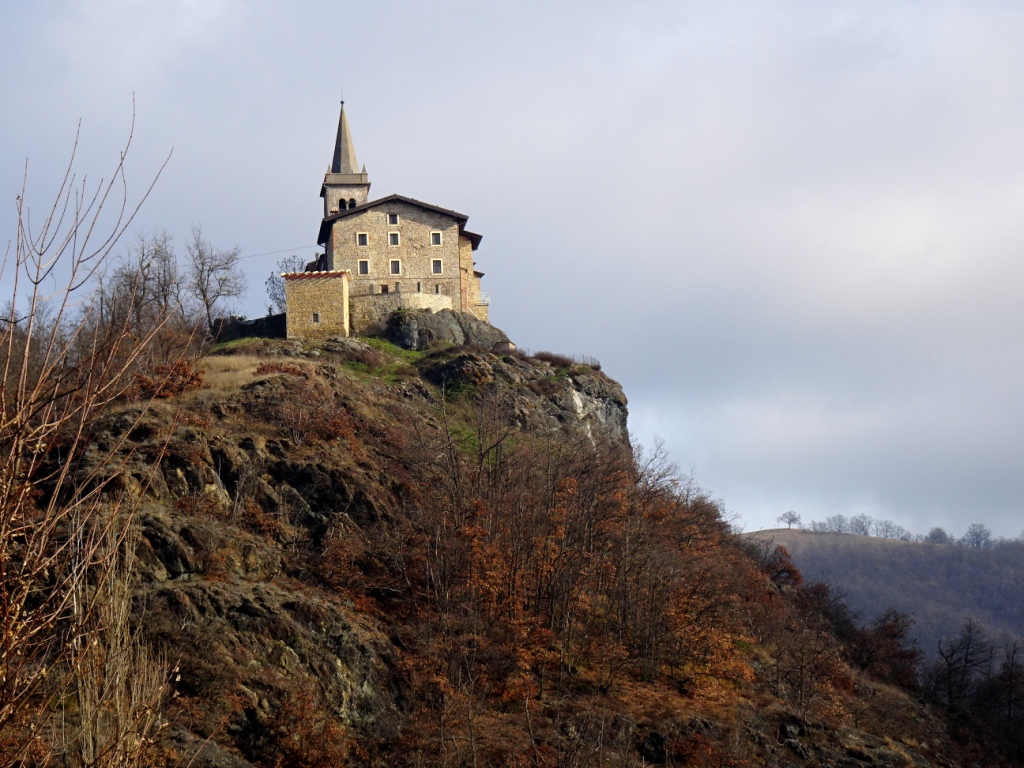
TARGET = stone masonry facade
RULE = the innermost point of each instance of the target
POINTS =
(368, 312)
(318, 304)
(402, 246)
(395, 253)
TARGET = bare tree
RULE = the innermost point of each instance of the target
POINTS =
(790, 519)
(59, 370)
(938, 535)
(964, 661)
(215, 276)
(837, 524)
(861, 525)
(977, 537)
(147, 288)
(275, 283)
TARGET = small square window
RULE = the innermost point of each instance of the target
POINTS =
(436, 267)
(385, 288)
(316, 317)
(364, 267)
(393, 238)
(392, 219)
(396, 267)
(435, 238)
(362, 238)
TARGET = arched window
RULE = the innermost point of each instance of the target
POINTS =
(351, 203)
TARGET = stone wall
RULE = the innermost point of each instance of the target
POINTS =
(369, 311)
(344, 186)
(269, 327)
(480, 310)
(415, 253)
(318, 304)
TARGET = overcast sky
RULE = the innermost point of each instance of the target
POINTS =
(792, 230)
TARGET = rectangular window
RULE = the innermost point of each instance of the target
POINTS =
(393, 238)
(435, 238)
(436, 267)
(362, 238)
(419, 287)
(392, 219)
(437, 289)
(385, 288)
(364, 266)
(396, 267)
(316, 317)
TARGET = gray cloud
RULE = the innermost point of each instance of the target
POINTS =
(792, 230)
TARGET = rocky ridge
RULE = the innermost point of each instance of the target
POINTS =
(257, 575)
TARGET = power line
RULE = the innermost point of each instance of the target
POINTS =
(274, 253)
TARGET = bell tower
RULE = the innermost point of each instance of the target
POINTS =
(344, 185)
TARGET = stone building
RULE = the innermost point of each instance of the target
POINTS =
(380, 256)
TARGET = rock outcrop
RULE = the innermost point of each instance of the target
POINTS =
(422, 330)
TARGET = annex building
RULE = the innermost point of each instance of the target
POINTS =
(379, 256)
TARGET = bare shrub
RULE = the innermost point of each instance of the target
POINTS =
(63, 361)
(118, 684)
(265, 369)
(306, 410)
(558, 361)
(168, 381)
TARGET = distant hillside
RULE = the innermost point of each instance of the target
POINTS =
(940, 585)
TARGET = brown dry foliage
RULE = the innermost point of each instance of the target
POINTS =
(168, 381)
(274, 366)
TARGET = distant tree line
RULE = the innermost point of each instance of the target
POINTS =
(977, 536)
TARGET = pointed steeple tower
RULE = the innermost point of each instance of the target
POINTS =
(345, 186)
(344, 150)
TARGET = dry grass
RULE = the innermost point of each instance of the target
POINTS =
(229, 372)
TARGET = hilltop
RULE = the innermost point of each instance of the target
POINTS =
(361, 554)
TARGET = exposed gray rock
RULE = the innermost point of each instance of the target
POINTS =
(422, 329)
(464, 369)
(582, 399)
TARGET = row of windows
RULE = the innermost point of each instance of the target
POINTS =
(395, 267)
(394, 238)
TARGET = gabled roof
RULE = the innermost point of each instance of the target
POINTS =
(462, 218)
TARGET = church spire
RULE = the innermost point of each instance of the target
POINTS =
(345, 185)
(344, 160)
